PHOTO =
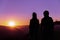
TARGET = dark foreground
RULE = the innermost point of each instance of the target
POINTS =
(22, 33)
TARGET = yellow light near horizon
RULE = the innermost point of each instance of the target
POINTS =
(11, 24)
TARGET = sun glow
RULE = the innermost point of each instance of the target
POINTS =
(11, 24)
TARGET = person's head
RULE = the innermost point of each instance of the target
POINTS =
(46, 13)
(34, 15)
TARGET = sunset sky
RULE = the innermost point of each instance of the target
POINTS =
(21, 11)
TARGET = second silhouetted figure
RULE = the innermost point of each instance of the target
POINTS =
(47, 26)
(33, 28)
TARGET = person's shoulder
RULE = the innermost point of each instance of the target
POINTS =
(50, 17)
(37, 19)
(30, 19)
(42, 18)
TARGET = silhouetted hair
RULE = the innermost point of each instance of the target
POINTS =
(34, 15)
(46, 13)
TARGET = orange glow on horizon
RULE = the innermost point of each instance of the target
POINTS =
(16, 22)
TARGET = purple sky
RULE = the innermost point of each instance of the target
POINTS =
(21, 10)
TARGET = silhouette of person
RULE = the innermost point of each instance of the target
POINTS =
(47, 26)
(33, 27)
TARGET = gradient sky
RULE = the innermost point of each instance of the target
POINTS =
(20, 11)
